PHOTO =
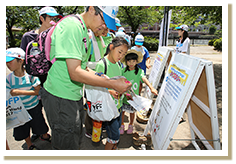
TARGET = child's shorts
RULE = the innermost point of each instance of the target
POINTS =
(37, 124)
(128, 108)
(112, 128)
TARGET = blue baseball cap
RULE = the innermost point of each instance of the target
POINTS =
(109, 15)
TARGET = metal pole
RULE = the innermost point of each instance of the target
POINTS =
(166, 25)
(163, 32)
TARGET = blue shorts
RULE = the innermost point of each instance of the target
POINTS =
(112, 128)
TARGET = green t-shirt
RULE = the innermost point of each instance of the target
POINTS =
(67, 42)
(134, 79)
(102, 49)
(112, 71)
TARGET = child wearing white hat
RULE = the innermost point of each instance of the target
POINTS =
(139, 40)
(27, 88)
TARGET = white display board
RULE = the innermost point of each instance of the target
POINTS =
(162, 56)
(202, 111)
(176, 91)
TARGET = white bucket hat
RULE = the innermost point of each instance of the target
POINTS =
(109, 15)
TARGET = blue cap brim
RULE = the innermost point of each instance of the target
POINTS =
(139, 43)
(54, 15)
(8, 59)
(118, 24)
(110, 22)
(177, 28)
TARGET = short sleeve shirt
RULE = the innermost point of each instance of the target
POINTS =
(134, 79)
(112, 71)
(183, 47)
(67, 43)
(26, 82)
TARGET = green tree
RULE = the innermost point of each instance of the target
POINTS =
(27, 18)
(24, 17)
(137, 15)
(189, 14)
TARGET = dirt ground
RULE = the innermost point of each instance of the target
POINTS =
(126, 141)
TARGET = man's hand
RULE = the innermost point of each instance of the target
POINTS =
(120, 85)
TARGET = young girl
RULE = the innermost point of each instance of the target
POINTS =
(183, 44)
(115, 51)
(27, 88)
(134, 74)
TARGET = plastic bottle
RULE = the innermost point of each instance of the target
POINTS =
(35, 49)
(143, 147)
(97, 130)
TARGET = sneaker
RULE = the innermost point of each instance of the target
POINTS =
(130, 129)
(122, 129)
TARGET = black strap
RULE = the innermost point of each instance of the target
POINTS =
(105, 64)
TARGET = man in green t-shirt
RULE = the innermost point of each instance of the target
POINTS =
(63, 90)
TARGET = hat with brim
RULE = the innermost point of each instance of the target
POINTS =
(138, 43)
(182, 27)
(140, 56)
(49, 11)
(13, 53)
(110, 22)
(54, 15)
(8, 58)
(109, 15)
(118, 22)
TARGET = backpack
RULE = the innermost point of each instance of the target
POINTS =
(40, 64)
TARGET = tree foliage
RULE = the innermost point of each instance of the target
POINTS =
(134, 16)
(27, 17)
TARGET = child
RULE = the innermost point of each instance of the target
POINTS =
(27, 88)
(133, 74)
(139, 40)
(115, 51)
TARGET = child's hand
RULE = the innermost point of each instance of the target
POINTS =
(114, 93)
(15, 92)
(154, 91)
(129, 97)
(148, 66)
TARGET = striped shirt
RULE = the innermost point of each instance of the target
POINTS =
(26, 82)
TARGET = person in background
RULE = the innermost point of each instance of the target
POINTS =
(118, 25)
(46, 15)
(183, 44)
(139, 40)
(27, 88)
(62, 94)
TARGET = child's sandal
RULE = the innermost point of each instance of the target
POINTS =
(46, 139)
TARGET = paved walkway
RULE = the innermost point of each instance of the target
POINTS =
(126, 143)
